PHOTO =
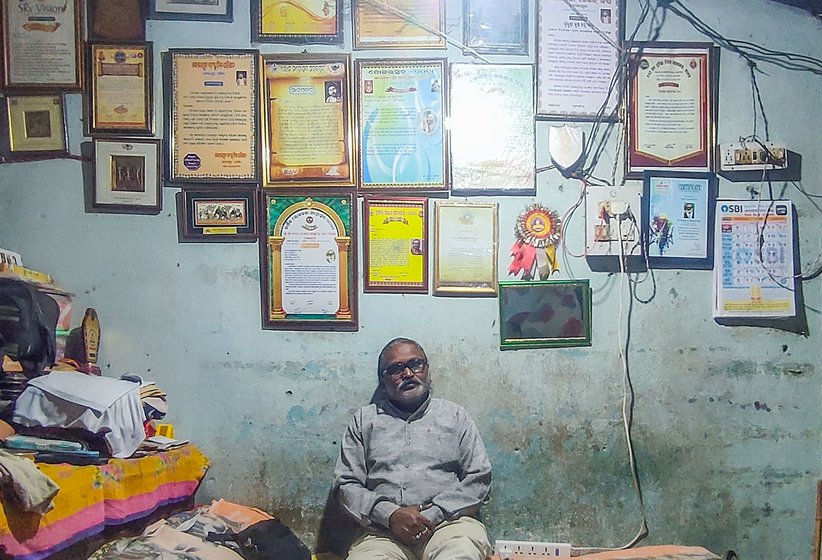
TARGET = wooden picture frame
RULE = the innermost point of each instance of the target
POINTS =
(205, 87)
(494, 27)
(465, 250)
(120, 100)
(29, 38)
(209, 216)
(297, 21)
(307, 121)
(35, 126)
(127, 176)
(545, 314)
(395, 245)
(116, 21)
(661, 77)
(308, 260)
(216, 10)
(401, 24)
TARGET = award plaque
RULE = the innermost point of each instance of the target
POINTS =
(204, 215)
(120, 96)
(297, 21)
(307, 121)
(35, 126)
(308, 261)
(212, 116)
(395, 245)
(127, 176)
(399, 24)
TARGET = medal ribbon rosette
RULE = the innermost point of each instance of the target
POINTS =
(538, 232)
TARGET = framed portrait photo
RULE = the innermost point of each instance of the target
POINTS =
(671, 107)
(399, 24)
(35, 126)
(494, 27)
(395, 245)
(201, 10)
(120, 97)
(205, 215)
(544, 314)
(307, 118)
(297, 21)
(127, 176)
(308, 261)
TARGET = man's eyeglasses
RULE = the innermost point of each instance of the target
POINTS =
(416, 365)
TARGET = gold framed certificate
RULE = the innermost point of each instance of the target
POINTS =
(671, 113)
(399, 24)
(307, 121)
(35, 126)
(212, 116)
(308, 261)
(297, 21)
(395, 245)
(465, 254)
(42, 44)
(120, 96)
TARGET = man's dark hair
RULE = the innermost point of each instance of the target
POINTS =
(391, 344)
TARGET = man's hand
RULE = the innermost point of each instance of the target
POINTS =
(410, 526)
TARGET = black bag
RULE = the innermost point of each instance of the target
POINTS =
(28, 320)
(266, 540)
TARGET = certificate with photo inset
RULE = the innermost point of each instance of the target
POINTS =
(395, 244)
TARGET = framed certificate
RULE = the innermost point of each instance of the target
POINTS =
(494, 27)
(678, 217)
(307, 134)
(402, 138)
(308, 261)
(544, 314)
(493, 149)
(212, 125)
(671, 112)
(297, 21)
(395, 245)
(42, 44)
(204, 215)
(465, 254)
(35, 126)
(399, 24)
(120, 99)
(569, 32)
(127, 176)
(203, 10)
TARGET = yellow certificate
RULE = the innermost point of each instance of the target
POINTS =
(395, 245)
(121, 80)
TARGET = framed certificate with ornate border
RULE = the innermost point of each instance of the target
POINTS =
(42, 44)
(205, 215)
(401, 110)
(212, 120)
(307, 114)
(493, 143)
(297, 21)
(671, 107)
(578, 59)
(127, 176)
(120, 99)
(308, 261)
(395, 245)
(465, 254)
(35, 126)
(494, 27)
(399, 24)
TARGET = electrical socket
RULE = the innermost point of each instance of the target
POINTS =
(751, 156)
(529, 550)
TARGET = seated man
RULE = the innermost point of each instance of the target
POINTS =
(412, 469)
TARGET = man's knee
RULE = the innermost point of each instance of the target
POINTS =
(464, 539)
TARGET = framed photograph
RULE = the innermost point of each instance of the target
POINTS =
(544, 314)
(307, 114)
(493, 139)
(401, 110)
(672, 103)
(202, 10)
(465, 254)
(127, 176)
(116, 20)
(207, 216)
(399, 24)
(120, 97)
(212, 126)
(567, 34)
(35, 125)
(493, 27)
(45, 30)
(308, 261)
(678, 216)
(395, 245)
(297, 21)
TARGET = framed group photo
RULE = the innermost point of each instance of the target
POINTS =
(204, 215)
(35, 125)
(127, 176)
(120, 97)
(297, 21)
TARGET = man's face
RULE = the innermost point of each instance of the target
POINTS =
(332, 91)
(405, 388)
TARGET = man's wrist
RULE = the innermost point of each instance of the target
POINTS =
(434, 514)
(381, 511)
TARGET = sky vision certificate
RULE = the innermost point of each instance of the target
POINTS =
(402, 140)
(213, 116)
